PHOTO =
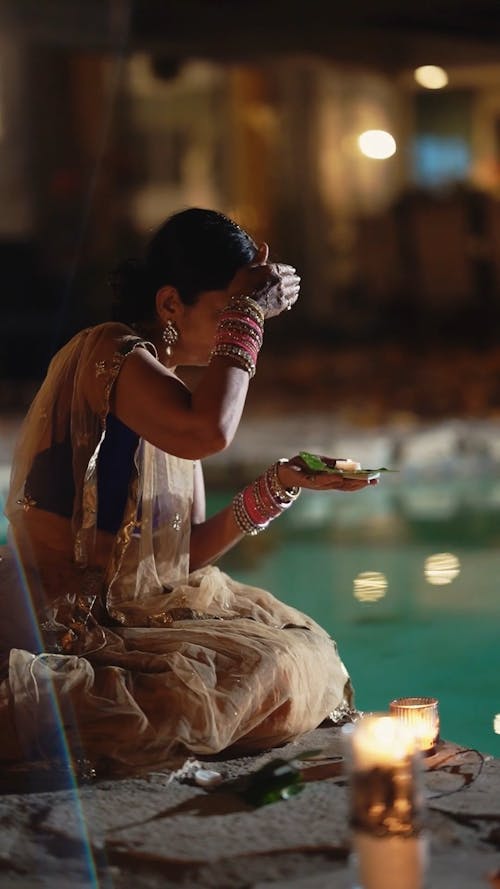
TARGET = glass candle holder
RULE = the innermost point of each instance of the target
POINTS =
(389, 846)
(421, 717)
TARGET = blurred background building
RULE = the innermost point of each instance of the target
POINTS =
(361, 140)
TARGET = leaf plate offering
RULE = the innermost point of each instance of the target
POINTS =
(317, 464)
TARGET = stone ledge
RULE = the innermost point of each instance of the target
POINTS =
(150, 831)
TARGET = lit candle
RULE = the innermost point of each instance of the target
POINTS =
(421, 716)
(386, 805)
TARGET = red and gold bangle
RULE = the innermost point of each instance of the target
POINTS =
(243, 323)
(253, 510)
(238, 338)
(247, 306)
(258, 509)
(269, 503)
(243, 520)
(240, 333)
(262, 501)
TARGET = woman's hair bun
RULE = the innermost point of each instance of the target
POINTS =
(194, 250)
(129, 281)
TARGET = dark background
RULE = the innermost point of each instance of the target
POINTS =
(115, 114)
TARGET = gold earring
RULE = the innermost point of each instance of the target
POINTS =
(170, 336)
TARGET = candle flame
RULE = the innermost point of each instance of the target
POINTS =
(381, 739)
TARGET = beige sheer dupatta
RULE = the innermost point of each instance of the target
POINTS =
(150, 552)
(193, 662)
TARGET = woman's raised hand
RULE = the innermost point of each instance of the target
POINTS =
(274, 286)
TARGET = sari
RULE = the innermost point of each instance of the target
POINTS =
(107, 637)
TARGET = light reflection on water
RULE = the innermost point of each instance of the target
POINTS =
(369, 586)
(406, 579)
(441, 568)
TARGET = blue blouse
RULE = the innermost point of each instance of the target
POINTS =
(50, 480)
(114, 468)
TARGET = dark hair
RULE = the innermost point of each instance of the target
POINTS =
(194, 250)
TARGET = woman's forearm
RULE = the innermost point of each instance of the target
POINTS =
(249, 512)
(212, 538)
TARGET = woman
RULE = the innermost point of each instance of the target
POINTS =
(123, 632)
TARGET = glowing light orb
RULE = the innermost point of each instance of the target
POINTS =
(377, 144)
(441, 568)
(432, 77)
(369, 586)
(496, 723)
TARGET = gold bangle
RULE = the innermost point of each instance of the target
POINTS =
(285, 495)
(247, 302)
(237, 355)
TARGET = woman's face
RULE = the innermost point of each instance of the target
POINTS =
(197, 325)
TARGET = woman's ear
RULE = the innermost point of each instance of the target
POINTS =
(168, 303)
(262, 254)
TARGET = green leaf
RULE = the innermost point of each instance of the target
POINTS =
(317, 464)
(314, 462)
(278, 779)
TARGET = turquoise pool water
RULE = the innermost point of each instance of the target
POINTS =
(367, 567)
(406, 578)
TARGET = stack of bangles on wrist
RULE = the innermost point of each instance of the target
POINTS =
(259, 503)
(240, 333)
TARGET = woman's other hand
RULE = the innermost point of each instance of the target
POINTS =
(274, 286)
(296, 473)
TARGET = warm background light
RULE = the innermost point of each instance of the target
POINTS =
(377, 144)
(369, 586)
(441, 568)
(496, 724)
(432, 77)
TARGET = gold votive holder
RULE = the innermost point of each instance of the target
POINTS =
(421, 717)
